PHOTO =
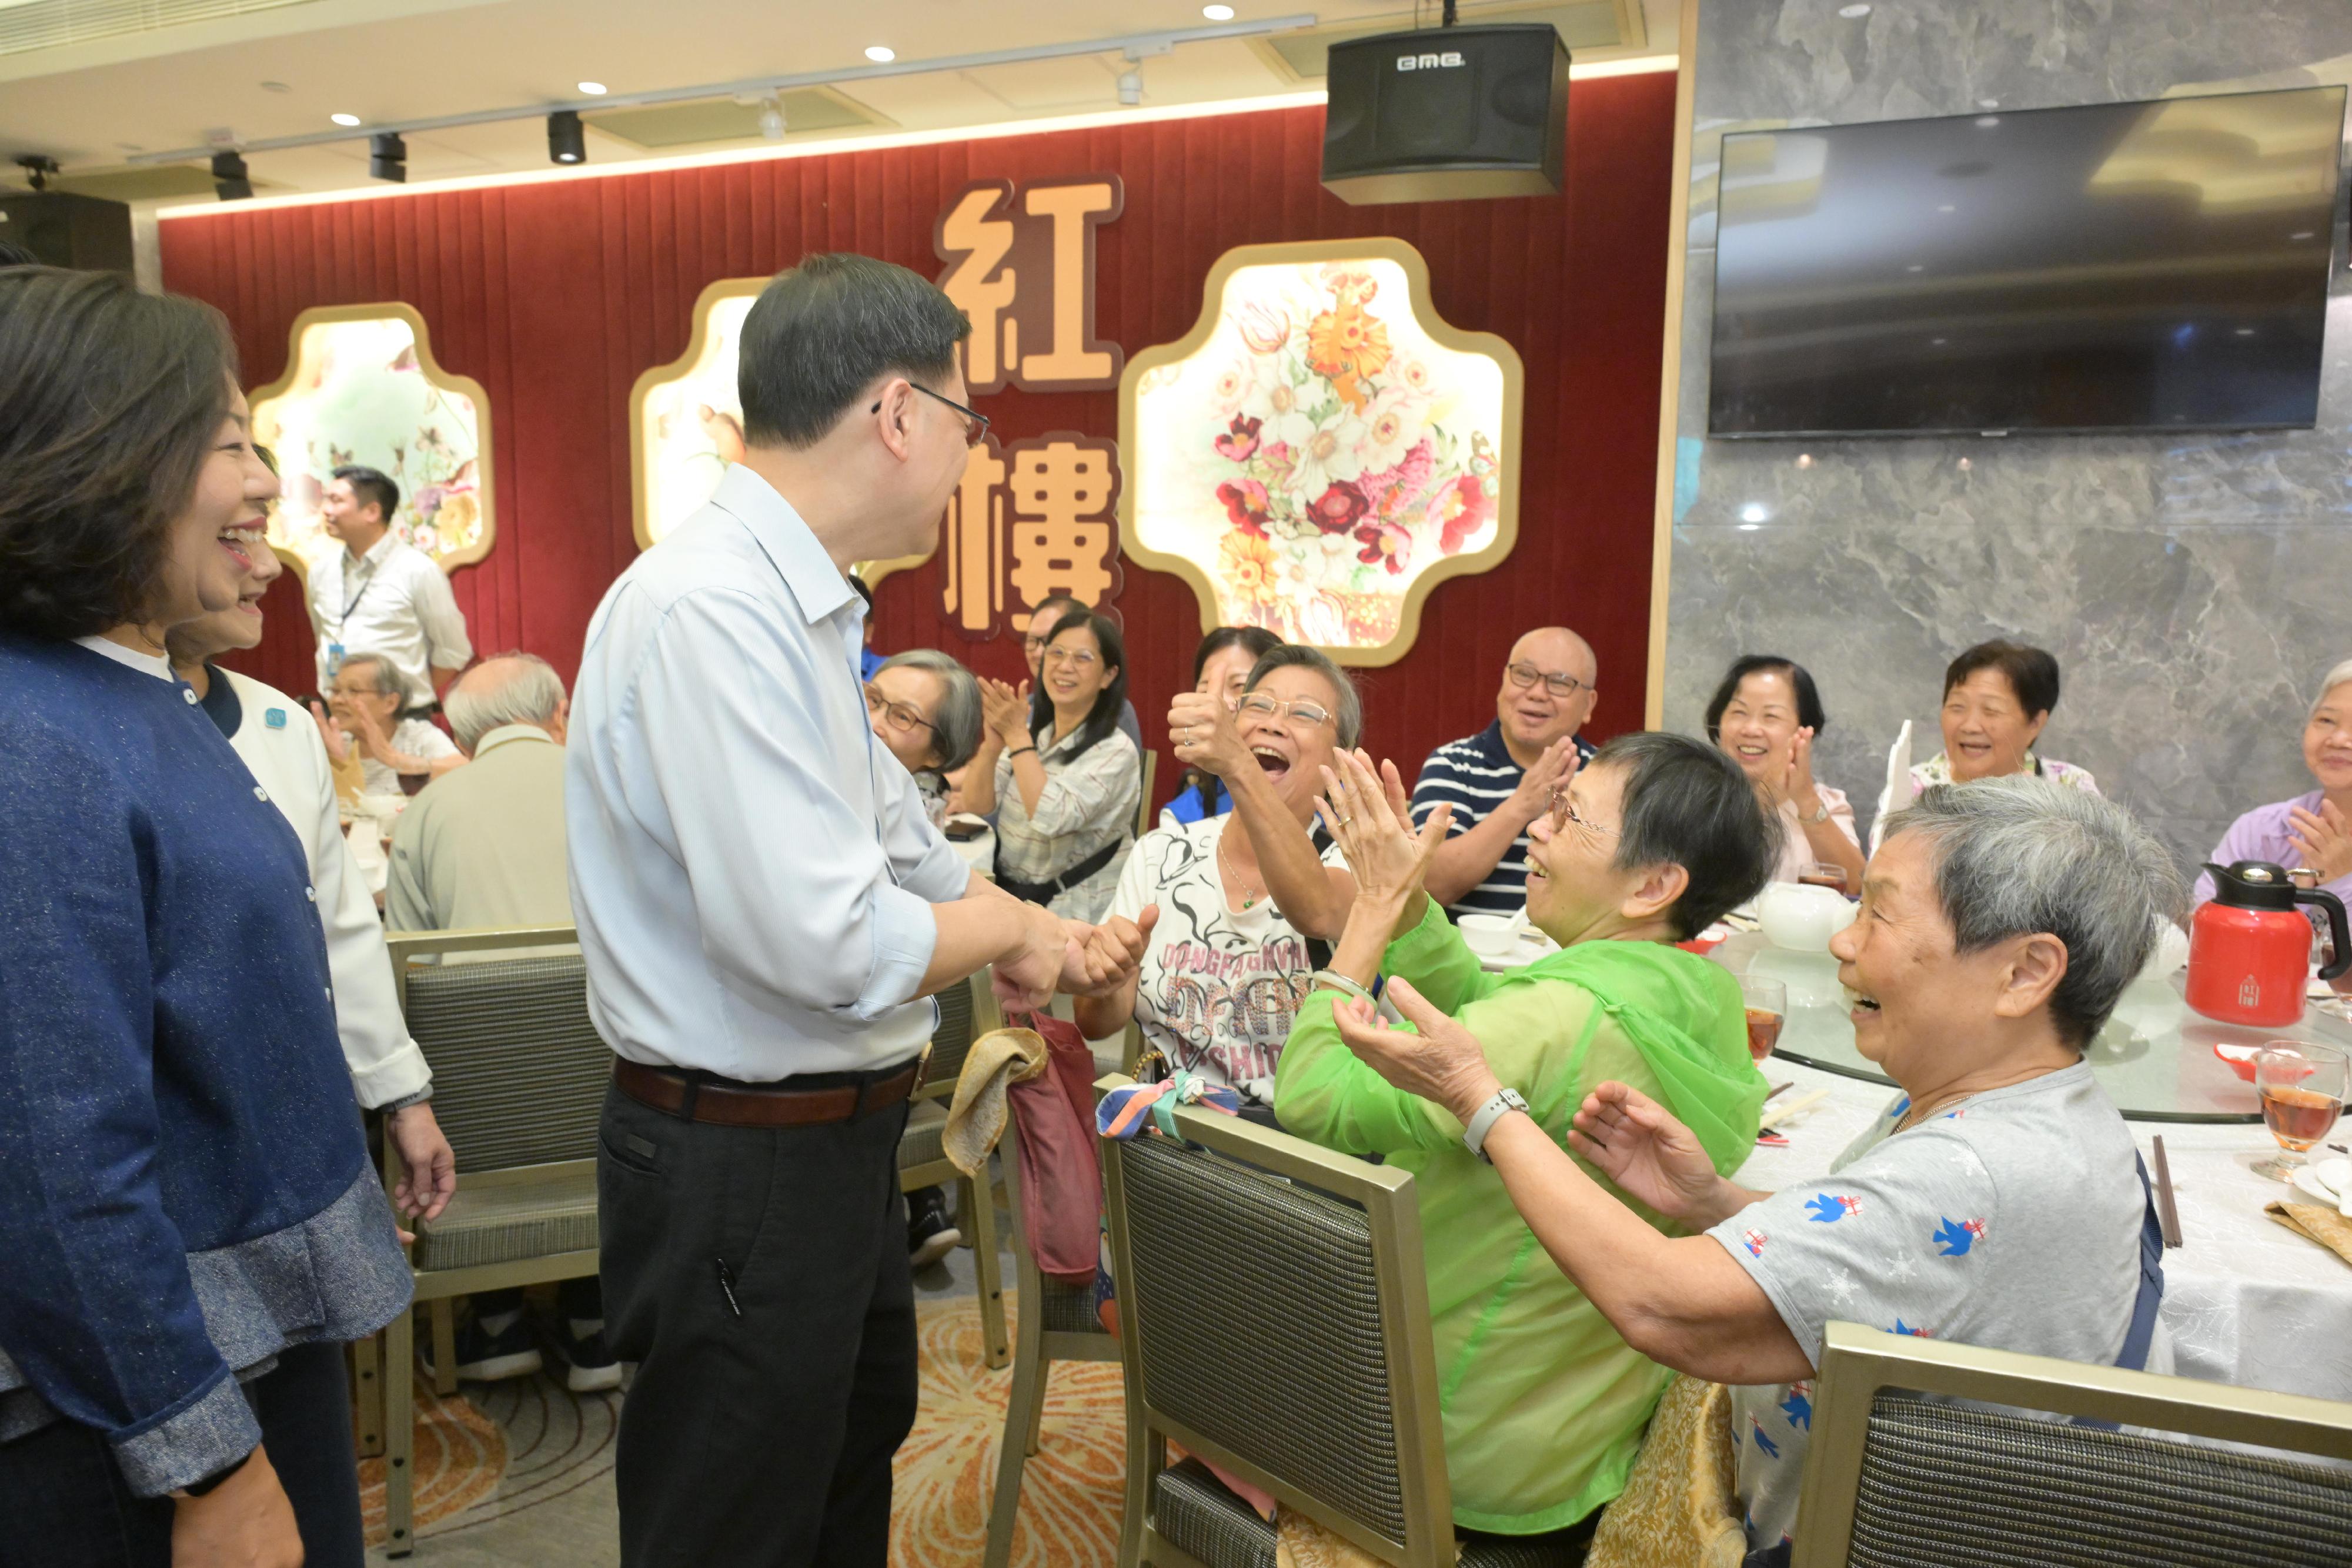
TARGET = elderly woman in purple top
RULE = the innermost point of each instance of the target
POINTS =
(2311, 831)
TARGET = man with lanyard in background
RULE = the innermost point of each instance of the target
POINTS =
(765, 911)
(380, 594)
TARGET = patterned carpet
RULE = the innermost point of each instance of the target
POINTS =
(497, 1450)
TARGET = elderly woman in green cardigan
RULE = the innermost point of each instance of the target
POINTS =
(1645, 845)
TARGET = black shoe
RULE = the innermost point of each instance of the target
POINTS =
(929, 1237)
(589, 1367)
(493, 1358)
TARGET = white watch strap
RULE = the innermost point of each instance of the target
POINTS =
(1474, 1136)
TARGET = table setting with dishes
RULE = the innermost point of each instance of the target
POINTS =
(2230, 1056)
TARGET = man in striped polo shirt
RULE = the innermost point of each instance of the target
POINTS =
(1501, 779)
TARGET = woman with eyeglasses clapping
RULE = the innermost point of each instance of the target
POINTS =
(1065, 785)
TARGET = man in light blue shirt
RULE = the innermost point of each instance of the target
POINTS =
(765, 910)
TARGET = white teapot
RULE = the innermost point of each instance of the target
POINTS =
(1803, 918)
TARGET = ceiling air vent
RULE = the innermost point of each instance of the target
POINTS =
(48, 24)
(702, 120)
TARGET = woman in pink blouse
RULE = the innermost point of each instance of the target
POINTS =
(2312, 831)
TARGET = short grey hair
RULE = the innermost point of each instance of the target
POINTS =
(1298, 655)
(956, 725)
(383, 676)
(2334, 678)
(530, 693)
(2019, 856)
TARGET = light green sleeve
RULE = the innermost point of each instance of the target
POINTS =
(1434, 959)
(1324, 1094)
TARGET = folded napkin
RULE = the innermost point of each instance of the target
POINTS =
(2325, 1226)
(997, 1060)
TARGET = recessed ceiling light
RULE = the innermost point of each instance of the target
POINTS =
(1754, 512)
(344, 118)
(880, 53)
(1218, 13)
(594, 89)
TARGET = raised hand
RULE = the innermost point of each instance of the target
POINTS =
(1005, 710)
(1369, 818)
(1550, 774)
(2325, 837)
(1797, 777)
(1655, 1160)
(1443, 1062)
(1110, 953)
(1202, 730)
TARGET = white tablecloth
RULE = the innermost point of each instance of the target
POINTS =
(980, 854)
(2246, 1300)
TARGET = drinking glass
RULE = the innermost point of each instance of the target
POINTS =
(2303, 1088)
(1821, 873)
(1768, 1009)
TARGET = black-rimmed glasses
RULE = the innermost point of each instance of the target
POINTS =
(975, 425)
(1523, 676)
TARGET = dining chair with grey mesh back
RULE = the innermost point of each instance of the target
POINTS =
(967, 1011)
(1898, 1474)
(518, 1082)
(1274, 1319)
(1057, 1323)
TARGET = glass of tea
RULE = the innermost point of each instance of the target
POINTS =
(1821, 873)
(1768, 1009)
(2303, 1088)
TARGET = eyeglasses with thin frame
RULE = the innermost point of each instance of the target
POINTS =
(1084, 658)
(901, 717)
(1262, 705)
(975, 427)
(1563, 811)
(1522, 674)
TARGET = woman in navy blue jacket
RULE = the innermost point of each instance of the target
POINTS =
(188, 1223)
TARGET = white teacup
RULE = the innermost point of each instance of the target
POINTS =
(1490, 935)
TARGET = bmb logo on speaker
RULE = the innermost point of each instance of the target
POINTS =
(1429, 62)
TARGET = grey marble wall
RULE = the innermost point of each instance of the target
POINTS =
(2193, 587)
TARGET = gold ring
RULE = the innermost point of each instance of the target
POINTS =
(1347, 819)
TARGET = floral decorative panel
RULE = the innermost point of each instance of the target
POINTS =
(686, 421)
(1321, 450)
(362, 386)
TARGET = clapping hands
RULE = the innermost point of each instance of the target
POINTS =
(1371, 818)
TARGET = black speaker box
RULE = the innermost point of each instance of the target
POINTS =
(65, 230)
(1447, 114)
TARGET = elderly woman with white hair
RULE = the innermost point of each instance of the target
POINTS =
(1998, 1201)
(2312, 831)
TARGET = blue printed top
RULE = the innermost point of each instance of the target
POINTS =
(183, 1188)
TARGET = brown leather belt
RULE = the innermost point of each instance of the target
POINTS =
(728, 1104)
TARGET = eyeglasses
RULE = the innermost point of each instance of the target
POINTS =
(975, 423)
(1563, 811)
(1523, 676)
(901, 717)
(1084, 659)
(1259, 704)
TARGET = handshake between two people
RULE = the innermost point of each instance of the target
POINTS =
(1058, 955)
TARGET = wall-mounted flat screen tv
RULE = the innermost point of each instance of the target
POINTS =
(2118, 266)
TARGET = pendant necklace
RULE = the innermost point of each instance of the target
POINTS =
(1248, 899)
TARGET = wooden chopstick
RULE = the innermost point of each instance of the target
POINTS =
(2168, 1217)
(1780, 1114)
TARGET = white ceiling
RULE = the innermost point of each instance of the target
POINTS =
(282, 68)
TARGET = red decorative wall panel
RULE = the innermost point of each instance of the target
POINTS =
(557, 295)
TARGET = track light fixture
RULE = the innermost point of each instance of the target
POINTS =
(771, 118)
(232, 181)
(388, 158)
(566, 141)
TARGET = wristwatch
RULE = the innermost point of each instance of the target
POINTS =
(1474, 1136)
(1821, 816)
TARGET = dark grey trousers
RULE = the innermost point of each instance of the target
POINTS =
(759, 1279)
